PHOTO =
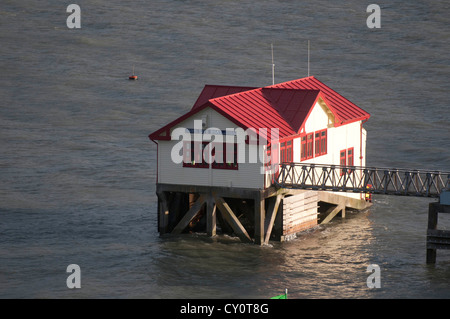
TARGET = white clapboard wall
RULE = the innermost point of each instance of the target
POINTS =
(299, 213)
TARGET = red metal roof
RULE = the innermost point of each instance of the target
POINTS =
(284, 109)
(293, 105)
(346, 111)
(285, 106)
(214, 91)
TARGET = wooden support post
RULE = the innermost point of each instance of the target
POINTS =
(259, 218)
(432, 225)
(163, 208)
(436, 239)
(334, 212)
(273, 209)
(211, 218)
(232, 220)
(431, 256)
(432, 216)
(175, 206)
(190, 214)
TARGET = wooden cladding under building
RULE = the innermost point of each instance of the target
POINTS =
(299, 213)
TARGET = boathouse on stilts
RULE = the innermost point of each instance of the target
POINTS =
(218, 163)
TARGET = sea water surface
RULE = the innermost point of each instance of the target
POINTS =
(78, 172)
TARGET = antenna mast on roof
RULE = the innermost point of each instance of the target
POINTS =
(273, 66)
(308, 58)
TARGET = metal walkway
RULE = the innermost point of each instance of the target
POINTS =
(389, 181)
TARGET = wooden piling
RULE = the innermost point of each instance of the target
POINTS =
(189, 216)
(232, 220)
(436, 239)
(259, 218)
(211, 217)
(340, 208)
(271, 216)
(163, 212)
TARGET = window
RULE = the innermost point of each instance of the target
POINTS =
(286, 153)
(303, 148)
(225, 156)
(350, 157)
(347, 159)
(193, 154)
(324, 142)
(283, 152)
(289, 151)
(343, 160)
(317, 143)
(186, 153)
(320, 138)
(309, 145)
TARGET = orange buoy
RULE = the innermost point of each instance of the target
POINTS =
(133, 77)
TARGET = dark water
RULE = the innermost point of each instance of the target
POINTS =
(77, 171)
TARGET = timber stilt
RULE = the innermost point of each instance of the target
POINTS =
(436, 239)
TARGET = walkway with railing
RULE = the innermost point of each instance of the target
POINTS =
(389, 181)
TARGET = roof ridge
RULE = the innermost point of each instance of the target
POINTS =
(232, 86)
(290, 81)
(288, 89)
(233, 94)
